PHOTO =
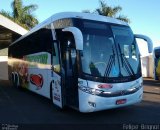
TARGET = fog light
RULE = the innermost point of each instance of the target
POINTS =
(92, 104)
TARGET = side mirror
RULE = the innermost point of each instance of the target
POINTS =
(147, 39)
(77, 36)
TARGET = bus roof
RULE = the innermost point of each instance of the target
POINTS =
(63, 15)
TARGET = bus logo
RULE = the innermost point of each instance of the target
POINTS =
(122, 93)
(37, 80)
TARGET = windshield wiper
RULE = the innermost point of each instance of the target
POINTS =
(125, 62)
(110, 63)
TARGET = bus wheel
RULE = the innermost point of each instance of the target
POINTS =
(13, 79)
(17, 81)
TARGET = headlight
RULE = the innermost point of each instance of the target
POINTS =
(90, 90)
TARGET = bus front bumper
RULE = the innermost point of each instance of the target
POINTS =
(92, 103)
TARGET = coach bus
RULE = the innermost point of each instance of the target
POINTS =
(156, 59)
(85, 61)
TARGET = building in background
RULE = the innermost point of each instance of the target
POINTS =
(9, 32)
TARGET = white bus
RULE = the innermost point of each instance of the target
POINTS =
(85, 61)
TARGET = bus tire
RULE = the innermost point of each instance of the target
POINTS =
(17, 83)
(13, 79)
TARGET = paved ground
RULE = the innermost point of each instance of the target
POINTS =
(24, 107)
(151, 86)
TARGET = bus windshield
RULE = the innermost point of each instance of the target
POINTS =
(109, 50)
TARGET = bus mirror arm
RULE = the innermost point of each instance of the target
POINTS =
(77, 36)
(147, 39)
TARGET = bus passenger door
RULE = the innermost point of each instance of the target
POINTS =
(70, 67)
(56, 88)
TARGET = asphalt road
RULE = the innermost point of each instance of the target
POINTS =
(24, 107)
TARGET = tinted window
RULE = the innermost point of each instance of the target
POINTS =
(37, 42)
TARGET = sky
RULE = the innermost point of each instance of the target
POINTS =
(143, 14)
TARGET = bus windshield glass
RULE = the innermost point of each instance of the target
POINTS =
(109, 50)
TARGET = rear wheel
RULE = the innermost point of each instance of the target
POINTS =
(13, 79)
(16, 81)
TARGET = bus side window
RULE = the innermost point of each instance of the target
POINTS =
(56, 64)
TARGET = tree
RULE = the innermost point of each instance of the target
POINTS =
(86, 11)
(106, 10)
(22, 15)
(6, 14)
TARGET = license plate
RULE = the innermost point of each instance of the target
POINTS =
(121, 101)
